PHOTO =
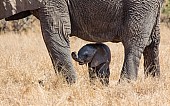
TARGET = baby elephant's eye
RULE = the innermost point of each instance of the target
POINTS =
(86, 55)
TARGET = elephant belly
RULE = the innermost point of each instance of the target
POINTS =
(95, 20)
(12, 7)
(98, 37)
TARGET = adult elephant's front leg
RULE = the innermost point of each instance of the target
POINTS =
(55, 25)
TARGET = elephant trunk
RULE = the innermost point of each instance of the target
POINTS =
(75, 57)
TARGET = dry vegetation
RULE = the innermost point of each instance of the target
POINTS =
(27, 77)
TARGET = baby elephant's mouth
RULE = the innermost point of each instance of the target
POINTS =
(81, 63)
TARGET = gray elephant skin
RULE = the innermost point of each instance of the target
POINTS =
(98, 57)
(135, 23)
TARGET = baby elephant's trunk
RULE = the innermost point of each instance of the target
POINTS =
(75, 57)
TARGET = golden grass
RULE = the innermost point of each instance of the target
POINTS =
(27, 77)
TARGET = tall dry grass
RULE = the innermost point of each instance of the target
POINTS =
(28, 79)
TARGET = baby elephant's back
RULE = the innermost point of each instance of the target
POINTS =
(105, 49)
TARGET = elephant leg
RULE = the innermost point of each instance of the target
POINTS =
(151, 52)
(92, 75)
(133, 52)
(137, 30)
(131, 63)
(55, 26)
(103, 73)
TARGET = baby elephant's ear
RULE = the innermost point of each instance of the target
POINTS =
(100, 56)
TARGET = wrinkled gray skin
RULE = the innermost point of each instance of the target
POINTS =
(98, 57)
(135, 23)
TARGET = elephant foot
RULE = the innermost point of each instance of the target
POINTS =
(70, 76)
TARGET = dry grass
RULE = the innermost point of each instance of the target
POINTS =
(27, 77)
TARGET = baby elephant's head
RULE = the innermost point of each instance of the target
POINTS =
(93, 54)
(85, 55)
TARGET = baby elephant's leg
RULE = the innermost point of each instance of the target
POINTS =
(92, 75)
(103, 73)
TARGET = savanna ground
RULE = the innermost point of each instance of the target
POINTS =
(27, 77)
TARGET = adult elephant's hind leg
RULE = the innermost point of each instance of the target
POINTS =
(151, 52)
(131, 63)
(138, 28)
(55, 27)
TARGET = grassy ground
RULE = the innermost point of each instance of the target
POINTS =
(28, 79)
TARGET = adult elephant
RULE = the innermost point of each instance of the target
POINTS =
(135, 23)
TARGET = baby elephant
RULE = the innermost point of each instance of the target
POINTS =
(98, 57)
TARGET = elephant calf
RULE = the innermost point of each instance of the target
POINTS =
(98, 57)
